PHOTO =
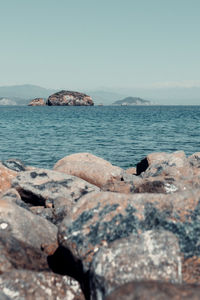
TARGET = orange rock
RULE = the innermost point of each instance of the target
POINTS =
(89, 167)
(6, 177)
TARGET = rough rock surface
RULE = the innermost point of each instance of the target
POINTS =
(107, 217)
(14, 164)
(155, 291)
(37, 102)
(89, 167)
(6, 177)
(69, 98)
(55, 191)
(27, 285)
(168, 173)
(21, 236)
(152, 255)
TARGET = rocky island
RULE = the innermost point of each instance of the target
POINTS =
(37, 102)
(69, 98)
(64, 98)
(90, 230)
(132, 101)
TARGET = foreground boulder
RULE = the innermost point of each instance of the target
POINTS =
(155, 291)
(52, 193)
(22, 235)
(37, 102)
(69, 98)
(27, 285)
(153, 255)
(106, 217)
(91, 168)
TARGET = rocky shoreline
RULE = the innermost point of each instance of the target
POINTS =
(91, 230)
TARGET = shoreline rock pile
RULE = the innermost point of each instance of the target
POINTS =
(91, 230)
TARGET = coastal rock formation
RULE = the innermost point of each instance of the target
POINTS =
(102, 226)
(37, 102)
(69, 98)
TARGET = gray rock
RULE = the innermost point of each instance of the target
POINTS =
(51, 189)
(155, 291)
(153, 255)
(21, 236)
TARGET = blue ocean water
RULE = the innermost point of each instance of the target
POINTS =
(123, 135)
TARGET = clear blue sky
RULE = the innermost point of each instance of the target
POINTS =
(87, 44)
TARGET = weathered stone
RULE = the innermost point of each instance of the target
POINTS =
(69, 98)
(21, 237)
(106, 217)
(51, 189)
(27, 285)
(152, 255)
(155, 291)
(6, 177)
(165, 164)
(37, 102)
(91, 168)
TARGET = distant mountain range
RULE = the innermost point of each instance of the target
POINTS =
(132, 101)
(22, 94)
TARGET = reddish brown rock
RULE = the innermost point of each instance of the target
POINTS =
(6, 177)
(152, 255)
(106, 217)
(37, 102)
(155, 291)
(23, 284)
(69, 98)
(91, 168)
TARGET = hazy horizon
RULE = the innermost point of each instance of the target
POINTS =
(86, 45)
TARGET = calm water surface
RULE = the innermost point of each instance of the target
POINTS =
(40, 136)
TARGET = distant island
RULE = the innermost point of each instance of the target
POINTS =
(132, 101)
(64, 98)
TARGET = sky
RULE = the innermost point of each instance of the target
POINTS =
(90, 44)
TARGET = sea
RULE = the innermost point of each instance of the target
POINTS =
(123, 135)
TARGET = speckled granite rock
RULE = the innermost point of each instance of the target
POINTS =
(107, 217)
(51, 189)
(152, 255)
(37, 102)
(155, 291)
(69, 98)
(27, 285)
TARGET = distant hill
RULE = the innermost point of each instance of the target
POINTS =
(22, 94)
(132, 101)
